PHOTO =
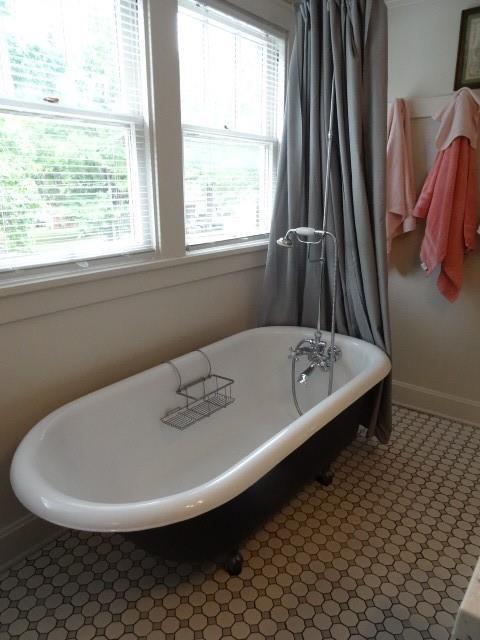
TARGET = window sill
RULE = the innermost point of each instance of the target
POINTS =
(41, 296)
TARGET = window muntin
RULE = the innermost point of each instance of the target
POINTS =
(73, 172)
(232, 82)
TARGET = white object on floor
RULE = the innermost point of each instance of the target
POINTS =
(467, 623)
(106, 462)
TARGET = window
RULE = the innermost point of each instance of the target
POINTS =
(93, 125)
(73, 169)
(232, 82)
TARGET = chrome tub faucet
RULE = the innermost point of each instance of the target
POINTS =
(318, 354)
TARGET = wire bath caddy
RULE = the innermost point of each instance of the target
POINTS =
(203, 397)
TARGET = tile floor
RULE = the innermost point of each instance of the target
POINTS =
(385, 552)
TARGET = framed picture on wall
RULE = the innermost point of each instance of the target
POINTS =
(468, 59)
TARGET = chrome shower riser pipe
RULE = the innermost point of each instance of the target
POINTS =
(334, 308)
(326, 195)
(310, 236)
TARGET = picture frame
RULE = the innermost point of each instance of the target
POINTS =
(468, 58)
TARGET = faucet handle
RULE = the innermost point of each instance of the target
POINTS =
(337, 353)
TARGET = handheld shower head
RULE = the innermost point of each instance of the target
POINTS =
(305, 235)
(285, 242)
(305, 232)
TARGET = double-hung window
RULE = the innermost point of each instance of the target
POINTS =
(73, 162)
(232, 84)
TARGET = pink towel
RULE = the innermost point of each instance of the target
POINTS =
(400, 179)
(448, 201)
(459, 118)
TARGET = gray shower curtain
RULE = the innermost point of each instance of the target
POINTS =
(346, 38)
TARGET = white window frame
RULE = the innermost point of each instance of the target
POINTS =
(270, 142)
(136, 127)
(140, 169)
(164, 155)
(273, 148)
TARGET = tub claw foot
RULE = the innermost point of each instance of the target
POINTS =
(234, 564)
(325, 478)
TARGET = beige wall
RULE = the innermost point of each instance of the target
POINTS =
(436, 344)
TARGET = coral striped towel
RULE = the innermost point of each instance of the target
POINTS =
(449, 202)
(400, 179)
(449, 196)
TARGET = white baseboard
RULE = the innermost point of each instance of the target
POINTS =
(22, 537)
(431, 401)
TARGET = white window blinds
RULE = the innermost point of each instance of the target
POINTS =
(232, 84)
(73, 175)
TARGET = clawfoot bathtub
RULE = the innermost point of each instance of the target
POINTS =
(106, 462)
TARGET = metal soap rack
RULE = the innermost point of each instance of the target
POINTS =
(203, 397)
